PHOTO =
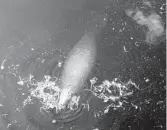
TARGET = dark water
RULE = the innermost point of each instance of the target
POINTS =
(52, 30)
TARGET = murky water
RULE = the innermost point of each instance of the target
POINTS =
(125, 88)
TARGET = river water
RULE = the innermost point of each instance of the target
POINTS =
(36, 38)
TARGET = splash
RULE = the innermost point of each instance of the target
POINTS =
(112, 93)
(47, 92)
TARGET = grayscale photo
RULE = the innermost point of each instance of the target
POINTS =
(82, 64)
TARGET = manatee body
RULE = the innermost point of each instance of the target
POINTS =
(77, 67)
